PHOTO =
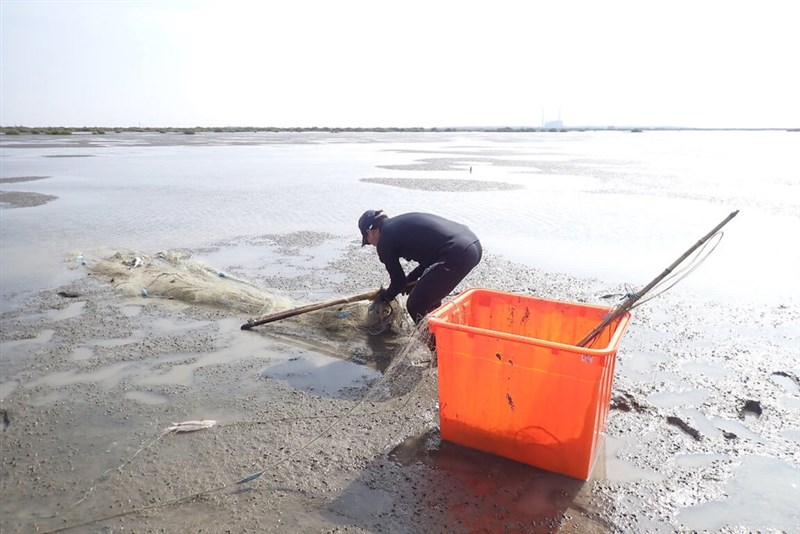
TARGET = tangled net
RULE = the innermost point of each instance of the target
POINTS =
(173, 276)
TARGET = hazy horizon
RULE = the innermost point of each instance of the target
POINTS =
(357, 63)
(610, 127)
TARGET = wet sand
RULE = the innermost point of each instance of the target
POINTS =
(703, 434)
(23, 199)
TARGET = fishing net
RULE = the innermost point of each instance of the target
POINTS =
(374, 334)
(408, 369)
(172, 275)
(175, 276)
(376, 317)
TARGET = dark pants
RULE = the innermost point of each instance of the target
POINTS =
(440, 279)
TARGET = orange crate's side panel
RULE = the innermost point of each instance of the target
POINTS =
(536, 415)
(532, 403)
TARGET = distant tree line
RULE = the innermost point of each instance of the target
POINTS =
(61, 130)
(97, 130)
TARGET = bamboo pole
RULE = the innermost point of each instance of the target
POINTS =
(631, 300)
(369, 295)
(308, 308)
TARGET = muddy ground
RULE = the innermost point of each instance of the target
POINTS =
(703, 434)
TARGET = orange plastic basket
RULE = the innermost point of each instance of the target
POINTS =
(512, 382)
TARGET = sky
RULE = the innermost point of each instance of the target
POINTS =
(409, 63)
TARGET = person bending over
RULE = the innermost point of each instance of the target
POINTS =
(446, 252)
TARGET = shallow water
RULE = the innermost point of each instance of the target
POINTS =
(615, 205)
(758, 480)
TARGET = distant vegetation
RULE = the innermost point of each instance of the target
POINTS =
(95, 130)
(19, 130)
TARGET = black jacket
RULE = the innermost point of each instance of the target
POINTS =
(420, 237)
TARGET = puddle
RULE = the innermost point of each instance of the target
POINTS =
(610, 467)
(320, 374)
(179, 375)
(758, 480)
(787, 382)
(698, 421)
(174, 327)
(146, 397)
(108, 377)
(290, 259)
(161, 372)
(7, 388)
(698, 460)
(70, 312)
(49, 398)
(361, 500)
(792, 434)
(668, 399)
(82, 353)
(643, 362)
(737, 428)
(792, 403)
(130, 311)
(18, 348)
(708, 370)
(236, 346)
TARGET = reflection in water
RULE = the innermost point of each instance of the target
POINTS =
(320, 374)
(467, 490)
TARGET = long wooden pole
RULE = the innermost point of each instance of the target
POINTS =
(308, 308)
(369, 295)
(631, 300)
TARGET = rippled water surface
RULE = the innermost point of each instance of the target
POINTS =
(616, 205)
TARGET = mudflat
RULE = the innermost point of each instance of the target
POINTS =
(319, 429)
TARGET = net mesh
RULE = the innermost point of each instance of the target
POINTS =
(172, 275)
(175, 276)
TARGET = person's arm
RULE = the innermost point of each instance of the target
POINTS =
(397, 277)
(414, 275)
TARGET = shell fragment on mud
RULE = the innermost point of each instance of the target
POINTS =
(189, 426)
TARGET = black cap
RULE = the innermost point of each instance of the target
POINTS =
(367, 222)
